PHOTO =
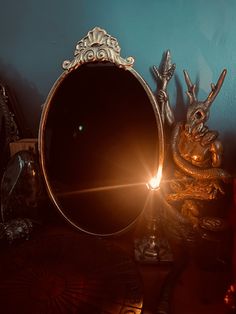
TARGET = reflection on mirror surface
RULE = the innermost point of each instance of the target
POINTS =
(101, 141)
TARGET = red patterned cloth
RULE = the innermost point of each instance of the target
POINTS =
(233, 226)
(230, 296)
(68, 273)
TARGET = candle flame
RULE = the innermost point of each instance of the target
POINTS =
(154, 183)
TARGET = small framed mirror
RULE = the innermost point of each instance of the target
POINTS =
(100, 138)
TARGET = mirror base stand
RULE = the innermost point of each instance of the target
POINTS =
(152, 248)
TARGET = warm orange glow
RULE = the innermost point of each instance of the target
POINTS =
(154, 183)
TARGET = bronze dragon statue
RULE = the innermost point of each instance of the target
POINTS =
(196, 151)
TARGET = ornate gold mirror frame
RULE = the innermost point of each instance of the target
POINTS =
(97, 51)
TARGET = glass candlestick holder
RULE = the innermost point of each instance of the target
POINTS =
(152, 246)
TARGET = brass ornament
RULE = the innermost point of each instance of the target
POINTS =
(197, 155)
(97, 46)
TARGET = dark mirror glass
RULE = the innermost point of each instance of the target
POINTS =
(100, 147)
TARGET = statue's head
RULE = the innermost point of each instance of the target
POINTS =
(198, 111)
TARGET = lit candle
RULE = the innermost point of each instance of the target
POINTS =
(154, 183)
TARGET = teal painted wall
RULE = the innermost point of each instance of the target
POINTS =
(36, 36)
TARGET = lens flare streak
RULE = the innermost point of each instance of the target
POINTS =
(102, 188)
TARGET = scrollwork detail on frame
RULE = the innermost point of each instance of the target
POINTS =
(97, 46)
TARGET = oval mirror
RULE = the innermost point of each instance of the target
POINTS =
(100, 138)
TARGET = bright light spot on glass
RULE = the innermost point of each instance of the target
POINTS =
(154, 183)
(80, 128)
